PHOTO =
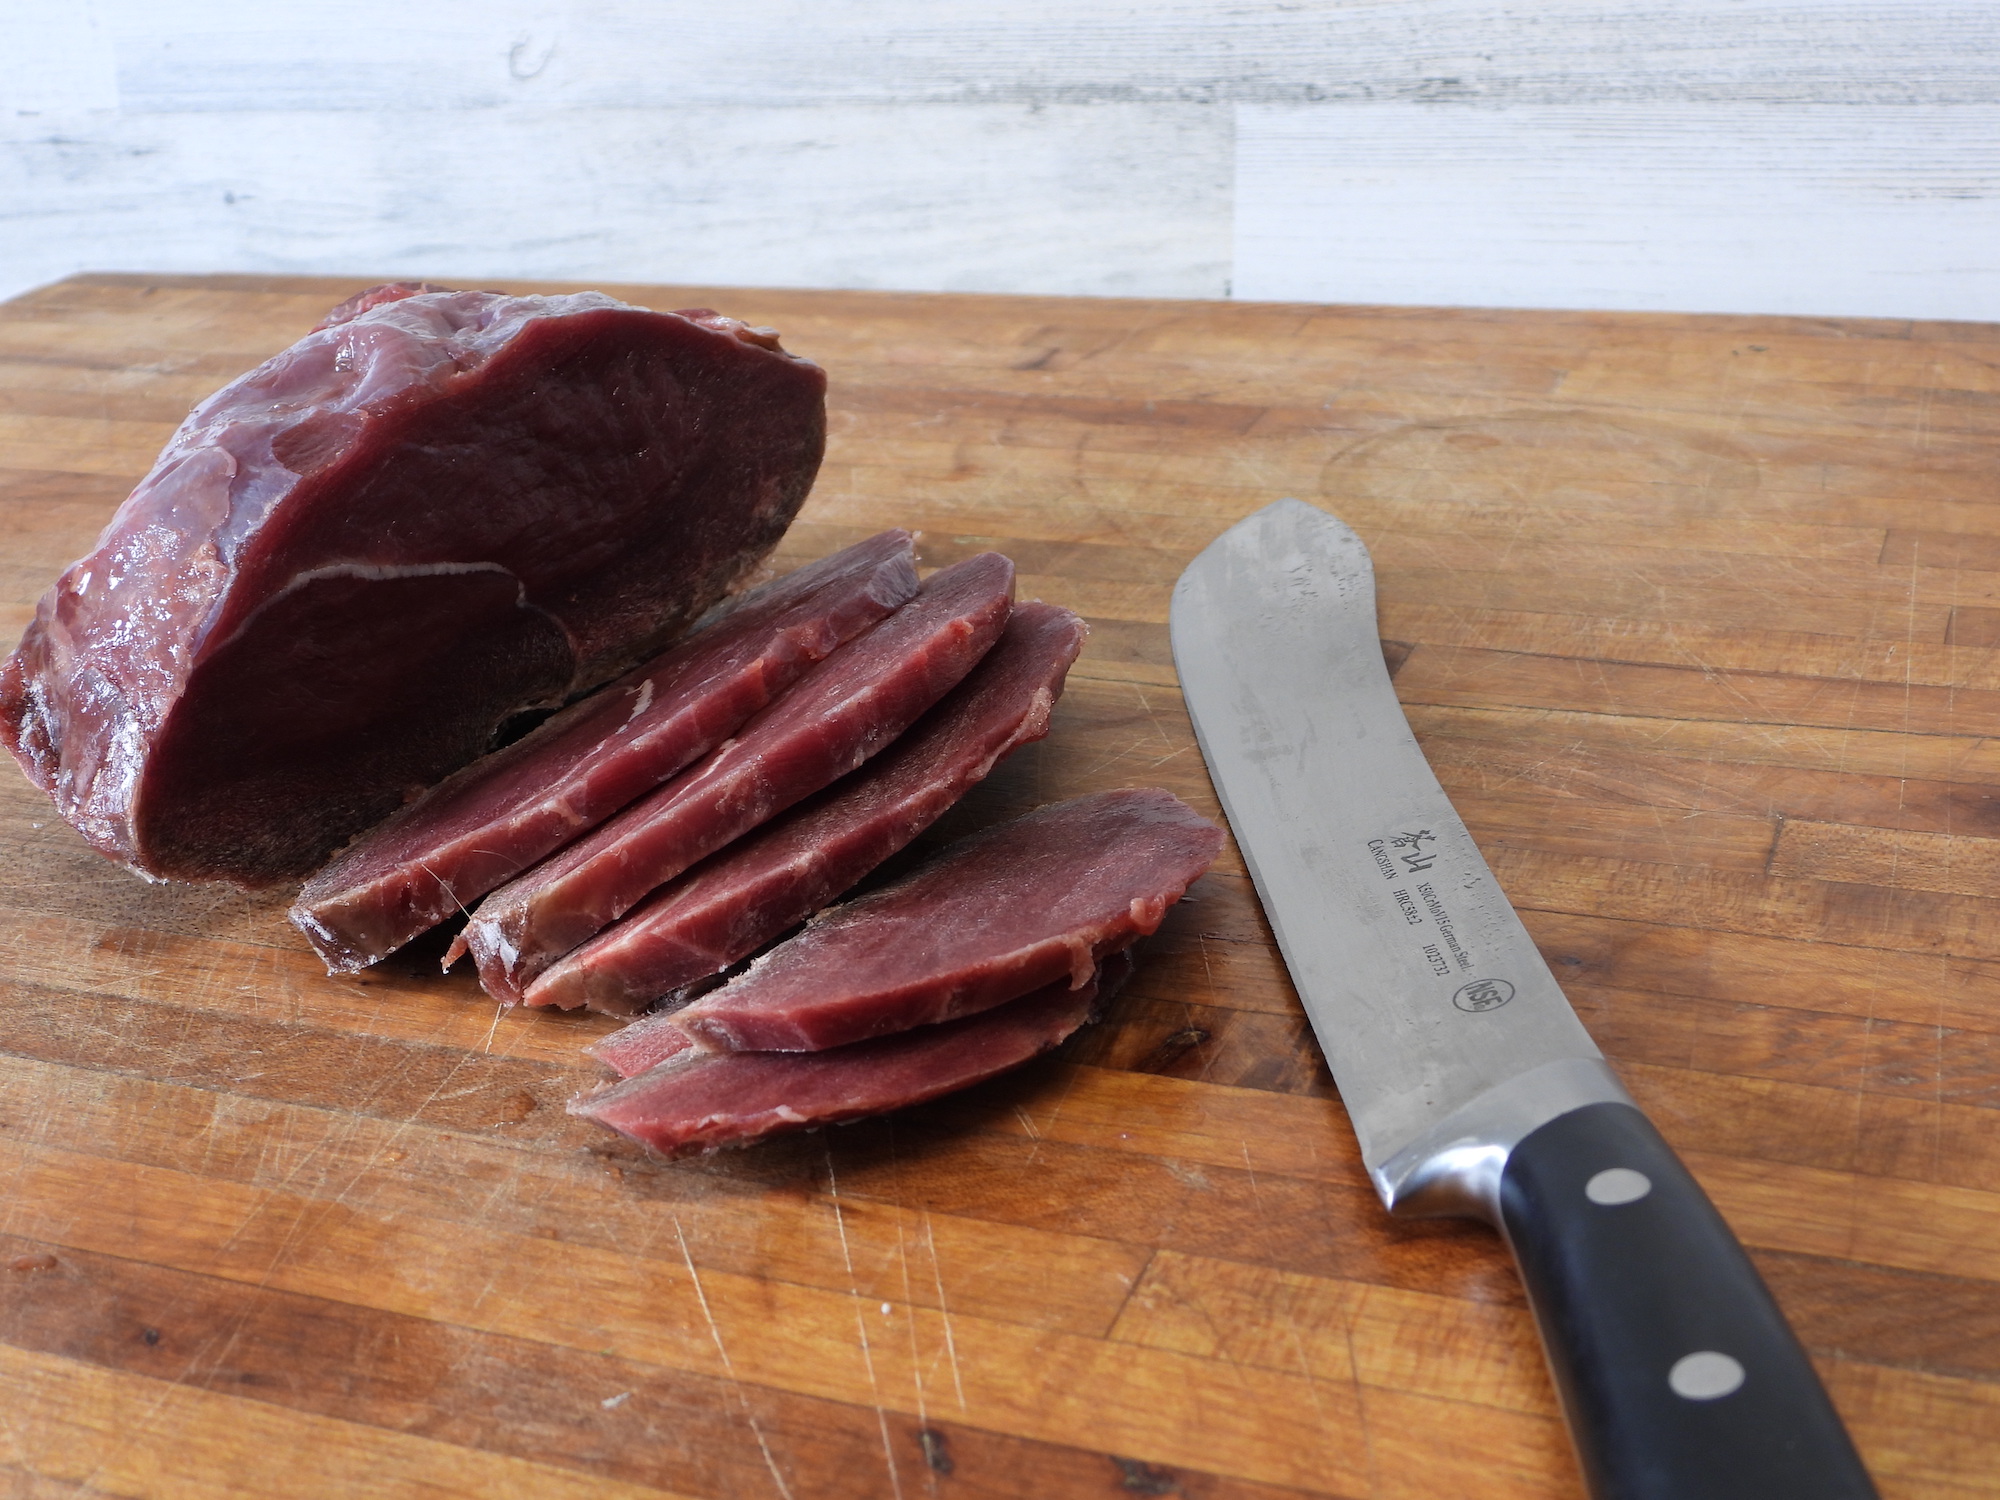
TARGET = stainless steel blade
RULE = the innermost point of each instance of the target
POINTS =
(1445, 1031)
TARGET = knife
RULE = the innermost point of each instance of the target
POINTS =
(1473, 1087)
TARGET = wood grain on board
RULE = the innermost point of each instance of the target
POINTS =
(1694, 617)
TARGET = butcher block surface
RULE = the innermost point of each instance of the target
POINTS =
(1698, 620)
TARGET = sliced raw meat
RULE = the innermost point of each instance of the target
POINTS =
(748, 893)
(653, 1039)
(500, 814)
(1001, 912)
(645, 1043)
(843, 711)
(700, 1101)
(350, 566)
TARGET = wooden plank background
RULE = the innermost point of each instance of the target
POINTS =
(1837, 157)
(1699, 620)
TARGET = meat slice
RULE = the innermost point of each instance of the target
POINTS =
(643, 1044)
(745, 895)
(697, 1101)
(500, 814)
(843, 711)
(350, 566)
(1017, 906)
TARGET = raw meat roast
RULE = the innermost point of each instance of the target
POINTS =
(740, 898)
(440, 515)
(503, 812)
(350, 567)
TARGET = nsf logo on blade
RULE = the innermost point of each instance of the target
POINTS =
(1483, 994)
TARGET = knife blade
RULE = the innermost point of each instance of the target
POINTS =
(1473, 1088)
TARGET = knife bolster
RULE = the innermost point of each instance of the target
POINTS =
(1454, 1169)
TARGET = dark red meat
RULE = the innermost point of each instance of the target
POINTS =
(697, 1102)
(997, 914)
(643, 1044)
(745, 895)
(843, 711)
(351, 565)
(500, 814)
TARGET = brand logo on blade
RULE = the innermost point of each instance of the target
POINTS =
(1483, 994)
(1419, 858)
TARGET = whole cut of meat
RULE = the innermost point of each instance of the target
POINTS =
(496, 817)
(695, 1101)
(352, 565)
(843, 711)
(743, 896)
(1020, 905)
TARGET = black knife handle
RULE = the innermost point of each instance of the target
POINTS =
(1681, 1378)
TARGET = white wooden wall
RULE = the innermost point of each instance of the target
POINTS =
(1817, 156)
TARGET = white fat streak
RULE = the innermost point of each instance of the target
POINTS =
(312, 924)
(329, 942)
(1082, 962)
(485, 940)
(379, 572)
(643, 701)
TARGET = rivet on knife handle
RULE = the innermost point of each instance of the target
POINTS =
(1679, 1375)
(1472, 1086)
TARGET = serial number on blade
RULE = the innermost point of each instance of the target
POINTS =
(1405, 860)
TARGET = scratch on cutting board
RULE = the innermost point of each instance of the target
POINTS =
(1137, 748)
(1114, 756)
(910, 1302)
(1062, 1098)
(1300, 1349)
(861, 1321)
(722, 1350)
(944, 1311)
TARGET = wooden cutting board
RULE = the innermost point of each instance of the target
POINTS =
(1699, 620)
